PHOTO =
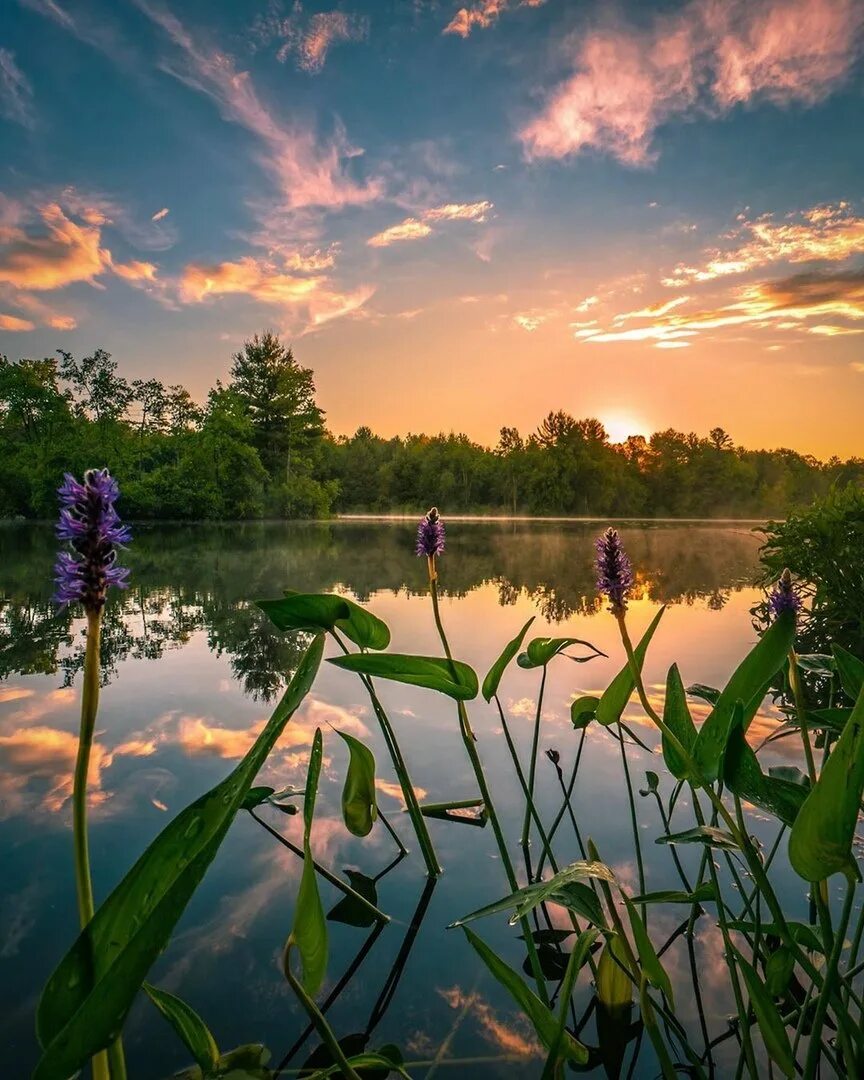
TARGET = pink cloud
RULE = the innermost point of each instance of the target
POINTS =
(708, 57)
(15, 325)
(482, 15)
(308, 38)
(65, 251)
(413, 228)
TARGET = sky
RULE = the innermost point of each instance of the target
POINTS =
(460, 216)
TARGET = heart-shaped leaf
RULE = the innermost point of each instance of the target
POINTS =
(325, 611)
(359, 808)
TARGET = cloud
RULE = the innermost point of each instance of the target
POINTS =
(135, 271)
(831, 232)
(16, 93)
(786, 304)
(15, 325)
(482, 15)
(65, 252)
(160, 214)
(413, 228)
(309, 173)
(307, 38)
(704, 59)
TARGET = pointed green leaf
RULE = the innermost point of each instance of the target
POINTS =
(325, 611)
(542, 1019)
(703, 692)
(703, 894)
(651, 966)
(801, 933)
(743, 775)
(820, 843)
(496, 672)
(614, 699)
(676, 717)
(359, 807)
(196, 1036)
(453, 678)
(80, 1013)
(748, 684)
(851, 672)
(768, 1018)
(701, 834)
(543, 649)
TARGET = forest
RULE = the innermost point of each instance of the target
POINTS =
(259, 447)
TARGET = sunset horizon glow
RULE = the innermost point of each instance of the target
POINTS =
(460, 215)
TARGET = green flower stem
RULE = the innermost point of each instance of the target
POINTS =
(634, 822)
(433, 867)
(470, 742)
(814, 1048)
(325, 1032)
(532, 768)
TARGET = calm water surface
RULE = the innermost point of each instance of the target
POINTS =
(192, 673)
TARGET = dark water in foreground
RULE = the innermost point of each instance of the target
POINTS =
(192, 669)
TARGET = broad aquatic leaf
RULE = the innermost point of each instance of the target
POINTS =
(256, 796)
(324, 611)
(543, 649)
(743, 775)
(778, 971)
(248, 1062)
(817, 664)
(851, 672)
(496, 672)
(653, 781)
(749, 684)
(676, 717)
(701, 834)
(309, 932)
(453, 678)
(703, 894)
(614, 698)
(768, 1018)
(527, 898)
(651, 966)
(834, 719)
(196, 1036)
(581, 899)
(349, 910)
(820, 843)
(801, 933)
(79, 1013)
(584, 710)
(359, 808)
(614, 985)
(704, 693)
(542, 1019)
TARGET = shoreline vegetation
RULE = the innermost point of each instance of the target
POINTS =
(258, 449)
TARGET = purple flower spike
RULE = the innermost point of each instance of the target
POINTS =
(90, 525)
(784, 597)
(430, 535)
(614, 570)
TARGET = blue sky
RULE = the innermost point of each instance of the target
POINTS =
(461, 215)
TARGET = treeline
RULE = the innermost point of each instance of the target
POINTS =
(258, 447)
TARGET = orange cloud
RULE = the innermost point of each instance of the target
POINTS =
(135, 271)
(707, 57)
(413, 228)
(482, 15)
(14, 324)
(507, 1038)
(65, 253)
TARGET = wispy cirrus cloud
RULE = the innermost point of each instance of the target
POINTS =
(16, 93)
(832, 232)
(310, 172)
(482, 15)
(417, 228)
(704, 59)
(307, 39)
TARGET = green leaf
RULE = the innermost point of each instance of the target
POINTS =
(778, 971)
(614, 985)
(703, 894)
(527, 898)
(453, 678)
(195, 1034)
(703, 692)
(543, 649)
(583, 710)
(349, 910)
(676, 717)
(851, 672)
(817, 664)
(256, 796)
(542, 1019)
(359, 808)
(309, 932)
(801, 933)
(834, 719)
(749, 683)
(325, 611)
(614, 699)
(768, 1018)
(86, 1000)
(743, 775)
(820, 843)
(651, 966)
(496, 672)
(701, 834)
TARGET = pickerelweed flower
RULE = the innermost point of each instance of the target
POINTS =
(90, 525)
(430, 534)
(784, 596)
(614, 570)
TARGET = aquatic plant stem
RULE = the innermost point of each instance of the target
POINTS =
(89, 709)
(470, 742)
(532, 767)
(433, 867)
(813, 1050)
(635, 826)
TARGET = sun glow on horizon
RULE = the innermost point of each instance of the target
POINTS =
(619, 426)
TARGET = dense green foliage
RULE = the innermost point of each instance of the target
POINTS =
(822, 546)
(258, 448)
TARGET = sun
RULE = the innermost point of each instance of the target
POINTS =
(620, 425)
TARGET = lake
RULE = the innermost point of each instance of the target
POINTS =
(192, 673)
